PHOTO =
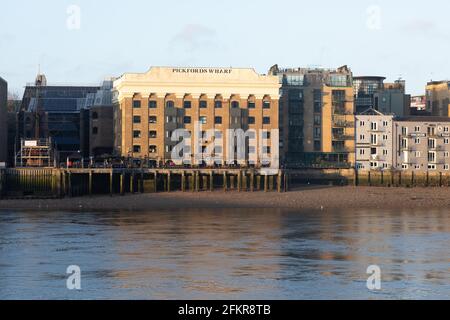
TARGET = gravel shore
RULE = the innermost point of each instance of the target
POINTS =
(319, 197)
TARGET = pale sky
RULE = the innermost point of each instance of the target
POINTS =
(408, 39)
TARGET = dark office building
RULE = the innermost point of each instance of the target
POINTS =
(3, 120)
(388, 98)
(55, 112)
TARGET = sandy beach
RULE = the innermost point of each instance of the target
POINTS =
(320, 197)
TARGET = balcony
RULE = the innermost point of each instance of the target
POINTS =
(343, 137)
(339, 123)
(343, 150)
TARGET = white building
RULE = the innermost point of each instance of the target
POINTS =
(374, 141)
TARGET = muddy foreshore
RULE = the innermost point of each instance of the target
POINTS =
(319, 197)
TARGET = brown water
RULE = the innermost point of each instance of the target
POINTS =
(225, 254)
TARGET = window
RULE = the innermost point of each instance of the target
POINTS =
(251, 105)
(152, 104)
(251, 149)
(417, 141)
(136, 134)
(266, 105)
(361, 137)
(266, 135)
(202, 120)
(94, 130)
(317, 120)
(385, 123)
(266, 150)
(385, 152)
(251, 120)
(432, 156)
(137, 148)
(136, 119)
(152, 149)
(431, 143)
(152, 134)
(446, 129)
(203, 104)
(431, 131)
(373, 165)
(152, 119)
(361, 123)
(404, 166)
(362, 152)
(235, 104)
(218, 104)
(446, 140)
(446, 154)
(317, 133)
(431, 167)
(170, 119)
(217, 120)
(417, 154)
(136, 104)
(170, 104)
(187, 119)
(374, 126)
(405, 131)
(187, 104)
(446, 167)
(385, 137)
(417, 129)
(217, 134)
(266, 120)
(373, 139)
(94, 116)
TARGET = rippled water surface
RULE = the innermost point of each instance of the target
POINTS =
(225, 254)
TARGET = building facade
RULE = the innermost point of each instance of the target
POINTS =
(149, 107)
(422, 143)
(438, 98)
(373, 92)
(3, 121)
(374, 141)
(54, 111)
(316, 116)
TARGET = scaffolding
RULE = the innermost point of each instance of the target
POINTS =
(35, 153)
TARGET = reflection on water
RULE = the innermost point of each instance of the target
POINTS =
(225, 254)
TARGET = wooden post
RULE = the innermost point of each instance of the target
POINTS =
(271, 178)
(155, 184)
(239, 181)
(122, 183)
(232, 185)
(279, 182)
(225, 184)
(183, 182)
(197, 182)
(205, 182)
(90, 183)
(211, 181)
(168, 182)
(252, 181)
(69, 184)
(132, 182)
(258, 182)
(111, 176)
(266, 183)
(192, 181)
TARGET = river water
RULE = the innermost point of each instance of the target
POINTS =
(225, 254)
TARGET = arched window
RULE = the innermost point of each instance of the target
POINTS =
(170, 104)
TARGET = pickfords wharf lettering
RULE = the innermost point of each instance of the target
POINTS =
(202, 70)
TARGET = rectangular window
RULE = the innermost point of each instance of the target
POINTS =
(432, 156)
(266, 105)
(152, 134)
(136, 119)
(187, 104)
(152, 119)
(203, 104)
(94, 130)
(136, 134)
(266, 135)
(446, 141)
(202, 120)
(251, 105)
(217, 104)
(446, 167)
(266, 120)
(136, 148)
(217, 120)
(136, 104)
(187, 120)
(373, 139)
(152, 149)
(417, 129)
(251, 120)
(405, 131)
(374, 126)
(431, 143)
(152, 104)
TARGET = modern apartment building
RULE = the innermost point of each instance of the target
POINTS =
(422, 143)
(3, 121)
(373, 92)
(149, 107)
(374, 141)
(316, 116)
(438, 98)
